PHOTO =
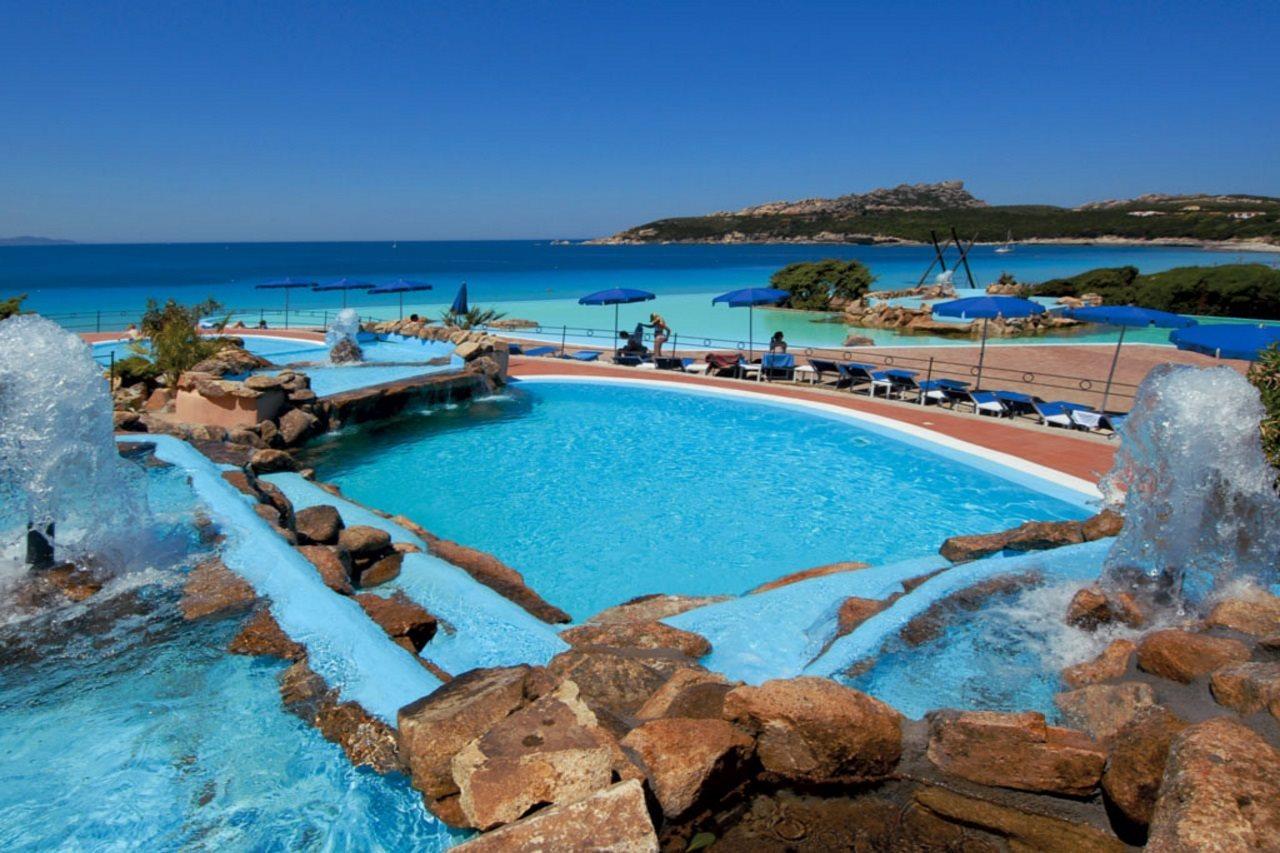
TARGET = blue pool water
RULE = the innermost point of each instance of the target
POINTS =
(599, 492)
(530, 279)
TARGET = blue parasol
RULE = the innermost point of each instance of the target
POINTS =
(1227, 340)
(750, 297)
(459, 305)
(285, 284)
(343, 284)
(986, 308)
(615, 297)
(401, 287)
(1126, 316)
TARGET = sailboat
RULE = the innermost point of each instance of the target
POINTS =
(1008, 244)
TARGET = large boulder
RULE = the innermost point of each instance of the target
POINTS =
(1015, 751)
(318, 525)
(433, 729)
(1030, 536)
(813, 729)
(374, 572)
(638, 635)
(366, 740)
(1248, 687)
(615, 682)
(1136, 762)
(297, 425)
(1221, 791)
(1257, 615)
(211, 589)
(688, 761)
(333, 564)
(360, 540)
(1091, 608)
(1025, 830)
(689, 693)
(551, 752)
(1184, 656)
(1101, 710)
(1112, 662)
(270, 461)
(1104, 524)
(651, 608)
(404, 620)
(615, 819)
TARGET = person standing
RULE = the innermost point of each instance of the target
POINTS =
(661, 333)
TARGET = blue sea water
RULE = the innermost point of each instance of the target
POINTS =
(529, 279)
(600, 493)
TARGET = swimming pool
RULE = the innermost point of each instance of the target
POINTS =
(600, 491)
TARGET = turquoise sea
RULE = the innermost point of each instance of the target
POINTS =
(528, 279)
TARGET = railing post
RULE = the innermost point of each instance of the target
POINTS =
(111, 374)
(928, 377)
(97, 325)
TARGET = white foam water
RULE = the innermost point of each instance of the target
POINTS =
(344, 327)
(1199, 497)
(58, 460)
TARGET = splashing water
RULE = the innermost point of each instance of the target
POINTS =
(341, 334)
(58, 459)
(1199, 497)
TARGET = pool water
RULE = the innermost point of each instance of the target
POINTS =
(601, 492)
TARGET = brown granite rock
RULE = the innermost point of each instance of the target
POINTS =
(490, 571)
(1014, 751)
(213, 589)
(814, 729)
(1113, 662)
(262, 635)
(688, 760)
(615, 682)
(615, 819)
(400, 617)
(364, 541)
(434, 728)
(1184, 656)
(1030, 536)
(1091, 607)
(1258, 615)
(1247, 687)
(366, 740)
(1221, 791)
(638, 635)
(269, 461)
(1136, 762)
(854, 611)
(318, 525)
(1025, 830)
(333, 564)
(1104, 524)
(270, 515)
(244, 482)
(808, 574)
(974, 546)
(1101, 710)
(276, 499)
(651, 608)
(246, 437)
(691, 693)
(380, 571)
(551, 752)
(297, 425)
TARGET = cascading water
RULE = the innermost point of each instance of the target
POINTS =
(340, 337)
(1200, 502)
(59, 465)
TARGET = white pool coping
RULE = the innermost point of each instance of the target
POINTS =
(1031, 474)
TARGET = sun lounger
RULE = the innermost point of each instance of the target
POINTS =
(857, 373)
(539, 351)
(986, 403)
(628, 359)
(1059, 413)
(1018, 403)
(515, 349)
(666, 362)
(894, 382)
(723, 364)
(823, 366)
(586, 355)
(942, 391)
(778, 364)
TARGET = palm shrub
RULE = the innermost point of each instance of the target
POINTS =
(1265, 375)
(173, 342)
(474, 318)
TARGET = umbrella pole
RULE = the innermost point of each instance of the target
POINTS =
(751, 331)
(1112, 372)
(982, 354)
(615, 327)
(401, 306)
(286, 307)
(564, 332)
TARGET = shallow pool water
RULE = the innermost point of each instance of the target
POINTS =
(601, 492)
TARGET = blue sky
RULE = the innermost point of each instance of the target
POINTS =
(279, 121)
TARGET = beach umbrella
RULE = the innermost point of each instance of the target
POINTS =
(1126, 317)
(1227, 340)
(343, 284)
(985, 308)
(615, 297)
(750, 297)
(459, 305)
(401, 287)
(285, 284)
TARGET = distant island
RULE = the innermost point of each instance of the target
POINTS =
(907, 213)
(34, 241)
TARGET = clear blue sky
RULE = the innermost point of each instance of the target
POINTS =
(170, 121)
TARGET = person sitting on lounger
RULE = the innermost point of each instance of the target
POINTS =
(777, 344)
(635, 342)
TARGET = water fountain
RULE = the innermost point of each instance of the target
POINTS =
(340, 337)
(1200, 502)
(59, 467)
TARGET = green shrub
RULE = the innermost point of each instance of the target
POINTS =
(10, 306)
(1265, 375)
(175, 344)
(1229, 290)
(135, 369)
(814, 285)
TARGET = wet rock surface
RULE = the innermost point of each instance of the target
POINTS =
(638, 635)
(1101, 710)
(1017, 751)
(1257, 615)
(1183, 656)
(615, 819)
(615, 682)
(1221, 791)
(1091, 608)
(318, 525)
(1135, 765)
(212, 589)
(333, 564)
(1111, 663)
(813, 729)
(401, 617)
(262, 635)
(366, 741)
(1248, 687)
(1030, 536)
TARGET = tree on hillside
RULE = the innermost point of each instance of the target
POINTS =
(814, 285)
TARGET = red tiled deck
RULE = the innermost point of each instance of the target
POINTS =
(1086, 457)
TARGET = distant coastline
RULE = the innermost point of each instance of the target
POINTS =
(35, 241)
(883, 240)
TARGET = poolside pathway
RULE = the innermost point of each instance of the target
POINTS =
(1078, 455)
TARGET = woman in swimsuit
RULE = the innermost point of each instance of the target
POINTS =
(661, 332)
